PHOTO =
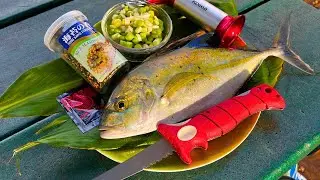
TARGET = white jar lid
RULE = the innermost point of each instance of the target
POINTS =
(58, 24)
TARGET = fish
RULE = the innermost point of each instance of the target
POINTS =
(185, 82)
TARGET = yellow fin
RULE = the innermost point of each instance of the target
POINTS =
(180, 81)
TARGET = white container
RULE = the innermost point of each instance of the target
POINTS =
(84, 49)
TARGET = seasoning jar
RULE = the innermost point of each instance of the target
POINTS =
(85, 49)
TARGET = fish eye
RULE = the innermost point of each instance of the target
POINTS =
(120, 105)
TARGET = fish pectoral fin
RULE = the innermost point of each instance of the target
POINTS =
(182, 80)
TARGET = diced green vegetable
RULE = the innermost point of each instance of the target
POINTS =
(111, 31)
(156, 20)
(143, 35)
(129, 36)
(122, 38)
(126, 43)
(161, 24)
(129, 44)
(122, 42)
(138, 46)
(150, 38)
(142, 10)
(157, 41)
(115, 36)
(135, 40)
(117, 30)
(149, 42)
(129, 29)
(144, 30)
(151, 13)
(132, 26)
(139, 37)
(157, 32)
(139, 23)
(116, 16)
(138, 30)
(116, 22)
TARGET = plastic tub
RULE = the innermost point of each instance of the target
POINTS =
(131, 53)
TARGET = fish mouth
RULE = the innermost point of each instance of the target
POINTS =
(112, 132)
(103, 128)
(108, 128)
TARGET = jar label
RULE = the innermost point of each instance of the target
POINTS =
(91, 50)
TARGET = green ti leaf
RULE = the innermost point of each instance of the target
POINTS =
(66, 134)
(228, 6)
(57, 122)
(268, 73)
(34, 92)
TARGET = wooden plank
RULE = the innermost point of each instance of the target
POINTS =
(243, 5)
(12, 11)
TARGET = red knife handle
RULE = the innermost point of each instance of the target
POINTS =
(219, 120)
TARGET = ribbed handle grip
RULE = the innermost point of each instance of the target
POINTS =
(219, 120)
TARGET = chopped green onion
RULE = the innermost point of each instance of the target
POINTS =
(116, 22)
(117, 30)
(115, 36)
(116, 16)
(151, 13)
(135, 40)
(157, 41)
(129, 36)
(145, 46)
(129, 44)
(129, 29)
(139, 23)
(150, 38)
(122, 42)
(126, 44)
(111, 31)
(161, 24)
(138, 30)
(138, 46)
(143, 35)
(137, 27)
(142, 10)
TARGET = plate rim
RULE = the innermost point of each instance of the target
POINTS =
(201, 165)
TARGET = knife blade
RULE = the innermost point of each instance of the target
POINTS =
(137, 163)
(198, 130)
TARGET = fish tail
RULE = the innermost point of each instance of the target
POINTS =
(282, 42)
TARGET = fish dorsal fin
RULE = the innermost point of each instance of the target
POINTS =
(180, 81)
(202, 41)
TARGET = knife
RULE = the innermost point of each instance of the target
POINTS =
(198, 130)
